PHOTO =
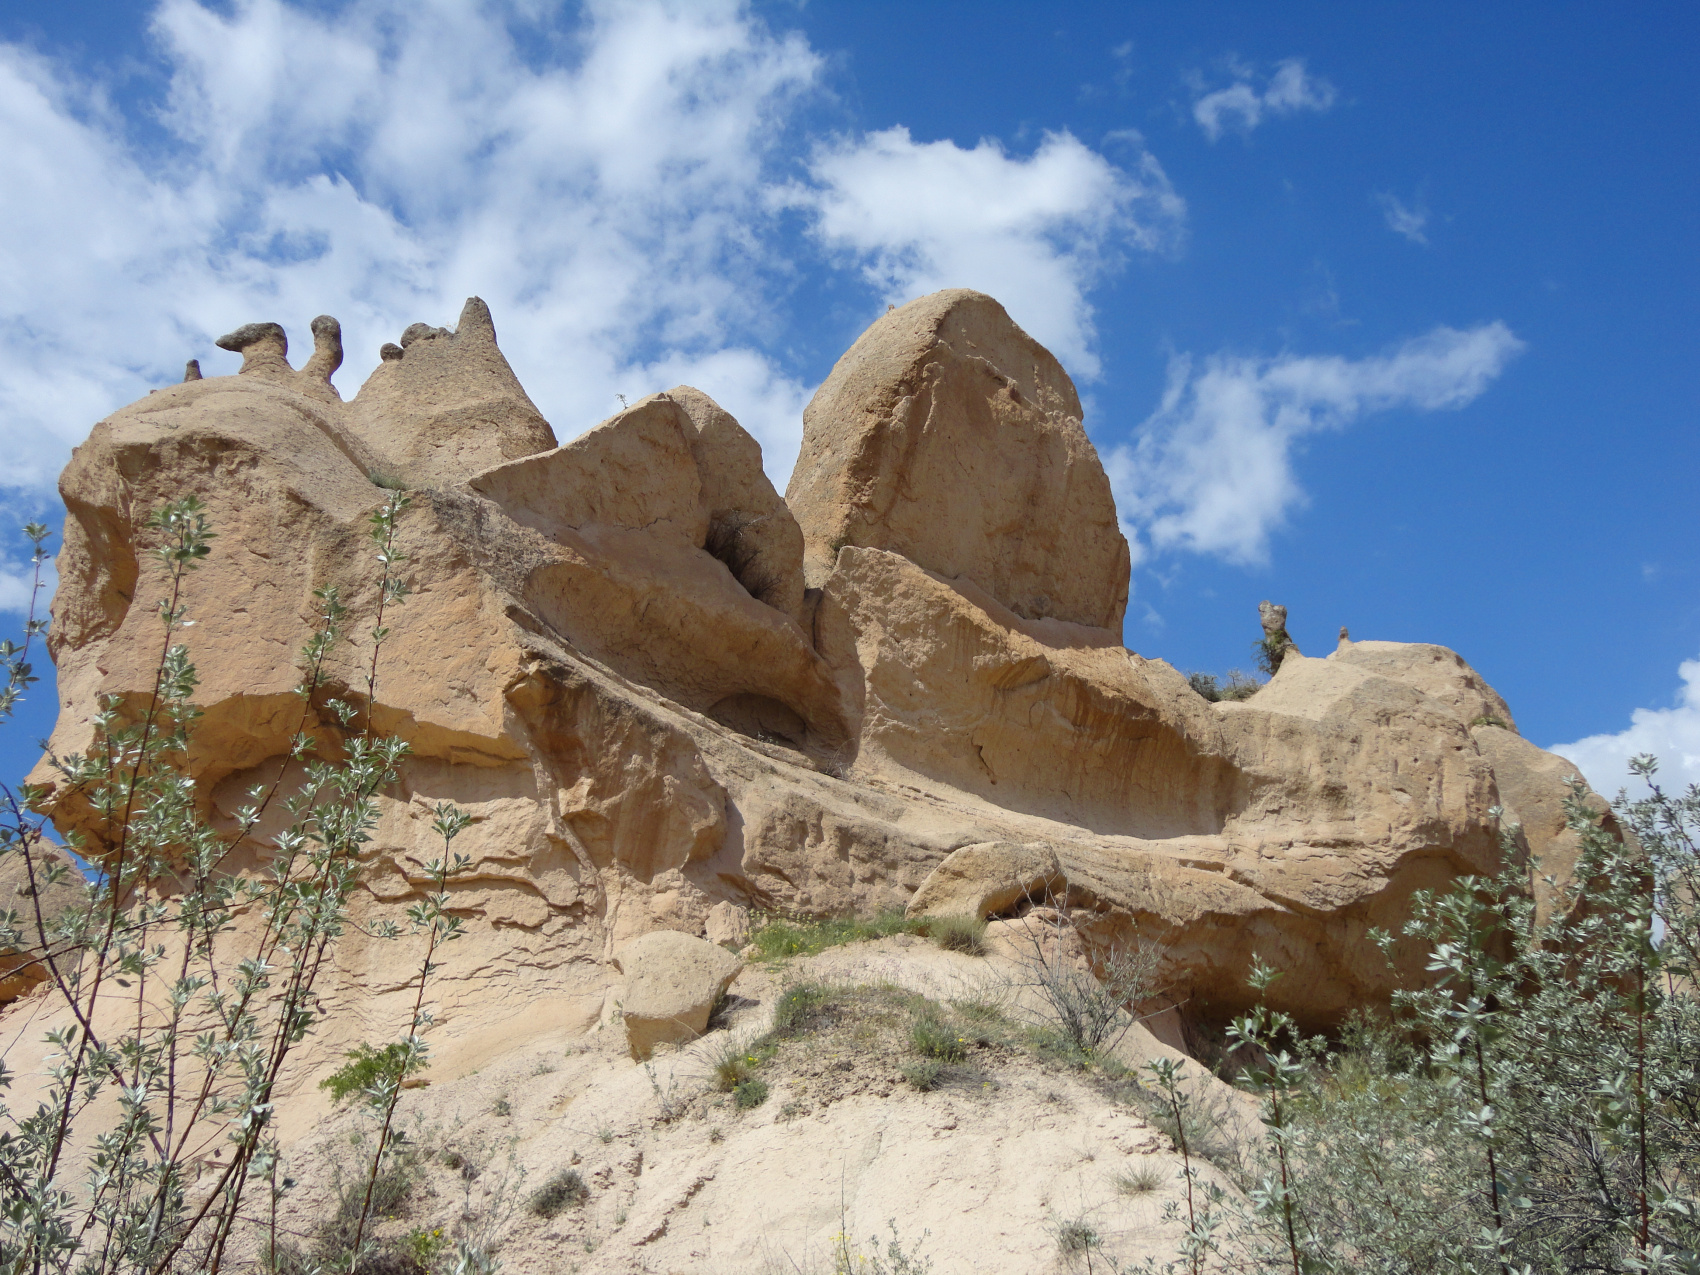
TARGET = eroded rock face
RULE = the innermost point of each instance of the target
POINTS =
(950, 437)
(608, 658)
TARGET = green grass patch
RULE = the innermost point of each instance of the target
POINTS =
(966, 934)
(777, 938)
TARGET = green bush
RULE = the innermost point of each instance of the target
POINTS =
(367, 1069)
(749, 1093)
(1535, 1106)
(566, 1190)
(932, 1037)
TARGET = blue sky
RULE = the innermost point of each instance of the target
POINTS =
(1388, 315)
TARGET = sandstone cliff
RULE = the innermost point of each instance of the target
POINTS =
(658, 687)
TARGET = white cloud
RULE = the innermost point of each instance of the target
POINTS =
(1412, 222)
(1035, 232)
(17, 584)
(1211, 470)
(1670, 734)
(382, 161)
(1241, 107)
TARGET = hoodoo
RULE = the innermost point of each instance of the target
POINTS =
(686, 736)
(660, 688)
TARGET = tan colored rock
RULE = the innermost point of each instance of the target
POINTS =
(1435, 671)
(750, 528)
(620, 567)
(728, 925)
(991, 877)
(949, 436)
(1035, 716)
(643, 734)
(1040, 939)
(1533, 785)
(444, 405)
(635, 470)
(672, 984)
(38, 892)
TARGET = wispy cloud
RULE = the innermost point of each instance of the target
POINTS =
(1670, 734)
(1409, 221)
(1035, 231)
(381, 161)
(1241, 106)
(1211, 470)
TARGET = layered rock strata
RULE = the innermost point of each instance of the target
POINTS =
(659, 688)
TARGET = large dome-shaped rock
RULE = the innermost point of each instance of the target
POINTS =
(948, 435)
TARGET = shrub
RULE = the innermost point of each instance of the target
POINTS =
(749, 1093)
(1141, 1179)
(965, 934)
(932, 1037)
(924, 1074)
(1092, 1011)
(566, 1190)
(1075, 1236)
(797, 1007)
(1235, 686)
(1536, 1106)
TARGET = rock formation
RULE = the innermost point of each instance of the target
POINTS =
(659, 689)
(1276, 642)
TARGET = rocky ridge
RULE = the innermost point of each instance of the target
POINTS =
(660, 689)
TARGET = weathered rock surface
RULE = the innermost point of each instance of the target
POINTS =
(443, 405)
(984, 879)
(673, 981)
(608, 660)
(950, 437)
